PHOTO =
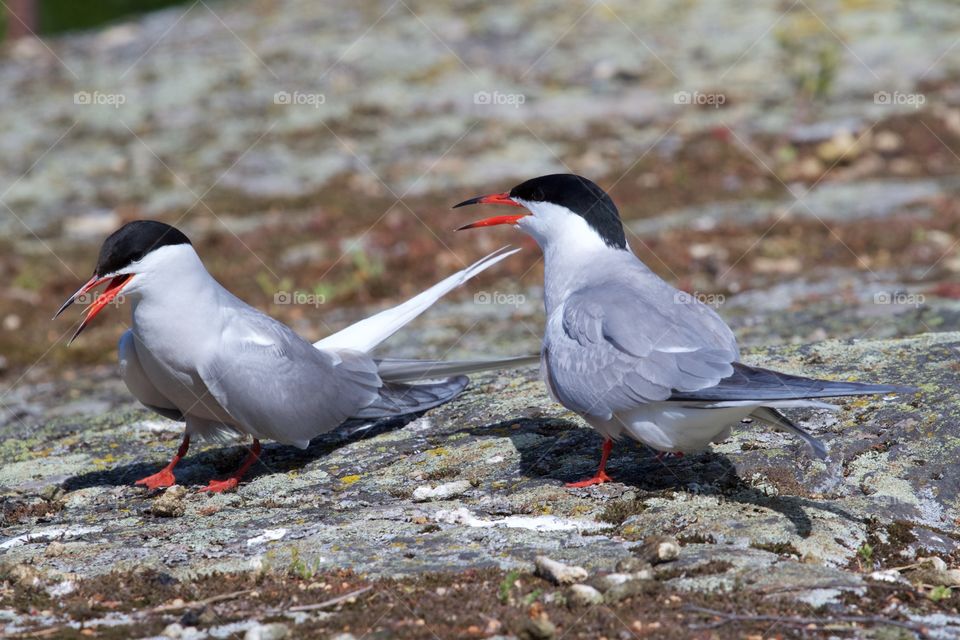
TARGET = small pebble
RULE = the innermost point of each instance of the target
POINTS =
(538, 629)
(170, 504)
(657, 549)
(628, 589)
(55, 549)
(559, 573)
(887, 575)
(632, 565)
(24, 575)
(272, 631)
(887, 142)
(12, 322)
(932, 570)
(611, 580)
(584, 595)
(174, 630)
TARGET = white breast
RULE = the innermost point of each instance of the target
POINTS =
(674, 427)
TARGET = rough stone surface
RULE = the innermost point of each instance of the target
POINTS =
(344, 499)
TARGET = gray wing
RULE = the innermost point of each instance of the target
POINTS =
(281, 387)
(612, 346)
(137, 381)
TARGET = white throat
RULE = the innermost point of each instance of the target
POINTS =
(572, 249)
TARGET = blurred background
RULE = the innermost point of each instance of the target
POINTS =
(794, 163)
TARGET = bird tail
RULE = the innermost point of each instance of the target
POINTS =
(407, 369)
(368, 333)
(397, 399)
(767, 391)
(777, 420)
(763, 385)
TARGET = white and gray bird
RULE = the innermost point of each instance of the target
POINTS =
(631, 354)
(199, 354)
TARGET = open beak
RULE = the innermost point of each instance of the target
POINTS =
(493, 198)
(115, 284)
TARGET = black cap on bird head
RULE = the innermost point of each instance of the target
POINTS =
(134, 240)
(579, 195)
(125, 246)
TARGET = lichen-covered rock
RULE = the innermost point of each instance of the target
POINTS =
(584, 595)
(753, 493)
(170, 503)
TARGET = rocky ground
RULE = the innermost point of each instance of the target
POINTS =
(821, 220)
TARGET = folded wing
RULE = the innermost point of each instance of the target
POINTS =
(279, 386)
(612, 346)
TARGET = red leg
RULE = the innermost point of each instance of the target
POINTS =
(219, 486)
(601, 476)
(164, 477)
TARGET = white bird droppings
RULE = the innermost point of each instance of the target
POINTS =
(268, 535)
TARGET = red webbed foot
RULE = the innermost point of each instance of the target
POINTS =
(159, 480)
(600, 478)
(601, 475)
(165, 477)
(219, 486)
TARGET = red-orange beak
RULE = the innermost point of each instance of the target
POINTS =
(493, 198)
(113, 289)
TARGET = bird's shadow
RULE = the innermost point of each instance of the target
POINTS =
(557, 449)
(202, 466)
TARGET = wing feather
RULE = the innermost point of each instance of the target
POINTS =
(279, 386)
(611, 346)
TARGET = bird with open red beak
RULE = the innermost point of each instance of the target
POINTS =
(630, 354)
(198, 354)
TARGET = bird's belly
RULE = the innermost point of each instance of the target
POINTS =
(679, 427)
(180, 383)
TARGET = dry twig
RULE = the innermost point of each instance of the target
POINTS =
(331, 602)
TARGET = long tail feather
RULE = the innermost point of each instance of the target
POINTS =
(777, 420)
(368, 333)
(406, 370)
